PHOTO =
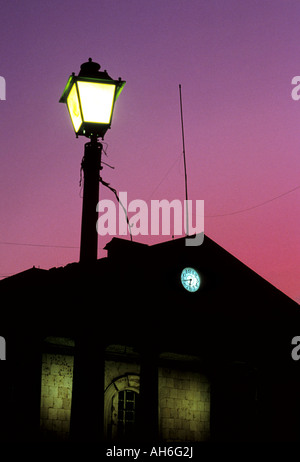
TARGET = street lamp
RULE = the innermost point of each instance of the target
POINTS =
(90, 98)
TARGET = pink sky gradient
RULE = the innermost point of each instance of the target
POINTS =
(235, 61)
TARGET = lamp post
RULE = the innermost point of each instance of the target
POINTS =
(90, 98)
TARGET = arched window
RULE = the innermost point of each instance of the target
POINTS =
(121, 400)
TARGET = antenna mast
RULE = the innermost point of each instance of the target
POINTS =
(184, 160)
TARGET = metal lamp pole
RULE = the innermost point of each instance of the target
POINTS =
(91, 166)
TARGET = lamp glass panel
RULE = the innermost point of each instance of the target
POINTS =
(96, 101)
(74, 108)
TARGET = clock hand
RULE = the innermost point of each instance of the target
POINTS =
(190, 280)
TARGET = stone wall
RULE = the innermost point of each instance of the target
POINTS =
(183, 395)
(184, 405)
(115, 369)
(56, 394)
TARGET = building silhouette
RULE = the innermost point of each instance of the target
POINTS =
(117, 350)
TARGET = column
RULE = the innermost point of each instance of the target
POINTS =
(147, 416)
(87, 412)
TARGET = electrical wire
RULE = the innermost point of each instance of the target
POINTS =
(115, 192)
(165, 176)
(229, 213)
(39, 245)
(107, 185)
(253, 206)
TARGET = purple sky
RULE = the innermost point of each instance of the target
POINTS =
(235, 61)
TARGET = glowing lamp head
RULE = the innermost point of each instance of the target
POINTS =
(90, 98)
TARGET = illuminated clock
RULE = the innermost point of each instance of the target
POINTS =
(190, 279)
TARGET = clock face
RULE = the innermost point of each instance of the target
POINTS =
(190, 279)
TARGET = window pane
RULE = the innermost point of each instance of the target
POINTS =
(126, 414)
(129, 395)
(129, 405)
